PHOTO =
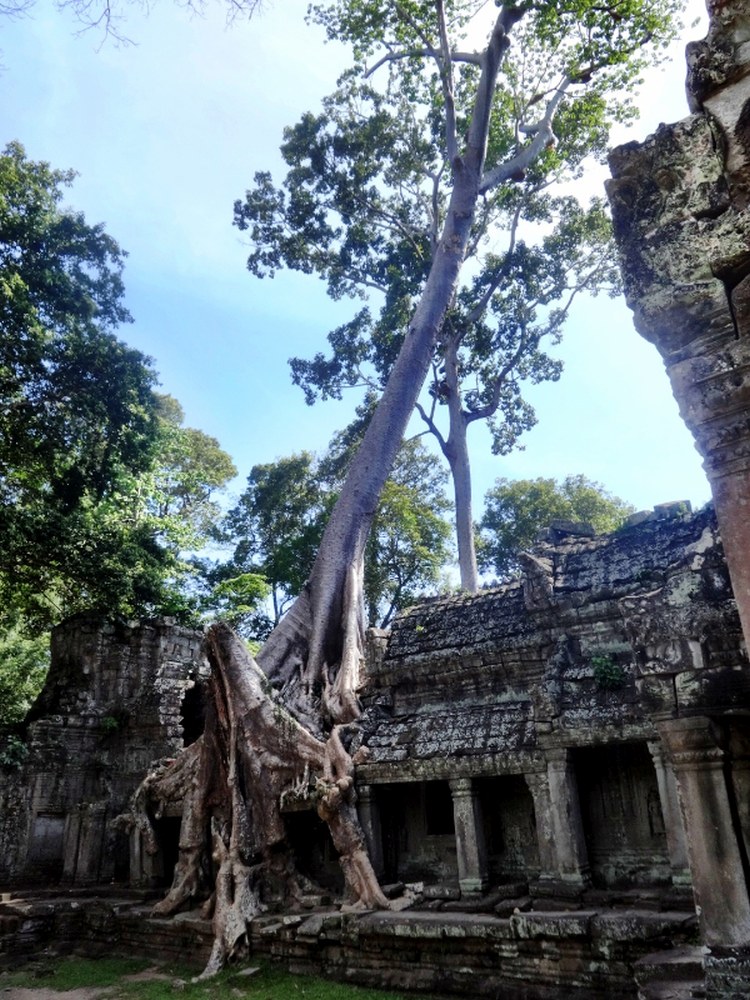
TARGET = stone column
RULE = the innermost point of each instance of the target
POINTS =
(739, 748)
(71, 837)
(716, 862)
(686, 280)
(538, 785)
(369, 818)
(145, 869)
(670, 810)
(565, 818)
(91, 844)
(471, 852)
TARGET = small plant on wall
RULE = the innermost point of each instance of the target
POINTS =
(609, 676)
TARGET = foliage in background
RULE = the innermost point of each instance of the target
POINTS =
(23, 666)
(517, 511)
(408, 548)
(77, 410)
(102, 490)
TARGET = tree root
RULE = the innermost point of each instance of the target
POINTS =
(254, 756)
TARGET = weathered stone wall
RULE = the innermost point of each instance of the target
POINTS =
(525, 956)
(680, 211)
(600, 636)
(679, 204)
(111, 705)
(537, 709)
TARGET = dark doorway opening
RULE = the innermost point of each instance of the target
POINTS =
(509, 828)
(193, 713)
(622, 817)
(313, 850)
(167, 830)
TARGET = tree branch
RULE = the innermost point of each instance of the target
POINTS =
(499, 41)
(474, 58)
(431, 425)
(487, 411)
(446, 81)
(514, 169)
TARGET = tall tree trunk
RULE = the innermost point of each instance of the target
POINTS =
(319, 626)
(456, 451)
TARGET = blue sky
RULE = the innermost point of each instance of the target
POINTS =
(167, 132)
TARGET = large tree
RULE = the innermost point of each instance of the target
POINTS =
(363, 205)
(279, 728)
(77, 410)
(100, 485)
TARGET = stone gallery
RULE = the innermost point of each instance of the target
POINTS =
(553, 777)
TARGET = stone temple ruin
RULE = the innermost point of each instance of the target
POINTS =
(532, 748)
(559, 769)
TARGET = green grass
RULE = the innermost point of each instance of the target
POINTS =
(270, 983)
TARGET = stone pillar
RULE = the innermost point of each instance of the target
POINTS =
(716, 861)
(739, 748)
(91, 843)
(565, 818)
(670, 810)
(369, 818)
(145, 869)
(71, 837)
(538, 785)
(686, 279)
(471, 852)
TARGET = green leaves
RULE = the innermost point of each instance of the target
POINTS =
(371, 182)
(517, 511)
(23, 666)
(276, 527)
(100, 486)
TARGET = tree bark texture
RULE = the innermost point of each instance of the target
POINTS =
(456, 451)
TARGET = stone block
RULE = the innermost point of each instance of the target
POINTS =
(441, 892)
(656, 693)
(641, 925)
(536, 924)
(507, 907)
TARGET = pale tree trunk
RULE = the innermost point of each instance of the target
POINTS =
(457, 454)
(277, 729)
(456, 451)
